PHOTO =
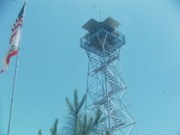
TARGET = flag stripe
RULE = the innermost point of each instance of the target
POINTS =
(14, 52)
(12, 36)
(19, 23)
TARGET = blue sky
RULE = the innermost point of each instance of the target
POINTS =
(52, 64)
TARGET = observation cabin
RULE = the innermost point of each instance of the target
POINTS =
(102, 38)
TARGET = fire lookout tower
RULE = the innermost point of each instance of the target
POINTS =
(105, 87)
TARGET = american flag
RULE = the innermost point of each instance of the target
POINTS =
(14, 39)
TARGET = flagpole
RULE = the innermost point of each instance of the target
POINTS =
(14, 79)
(12, 95)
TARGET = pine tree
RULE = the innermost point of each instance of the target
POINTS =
(54, 128)
(79, 123)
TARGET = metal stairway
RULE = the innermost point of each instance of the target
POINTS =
(115, 84)
(115, 114)
(111, 109)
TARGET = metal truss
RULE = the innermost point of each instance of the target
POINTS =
(105, 86)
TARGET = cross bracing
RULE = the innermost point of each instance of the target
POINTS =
(105, 86)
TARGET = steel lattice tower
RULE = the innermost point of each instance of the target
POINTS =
(105, 87)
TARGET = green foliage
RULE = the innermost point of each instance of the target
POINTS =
(107, 132)
(54, 128)
(78, 123)
(39, 132)
(73, 118)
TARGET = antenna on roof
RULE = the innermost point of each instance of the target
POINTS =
(99, 10)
